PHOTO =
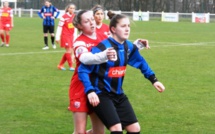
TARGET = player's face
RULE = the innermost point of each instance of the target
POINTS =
(99, 16)
(71, 9)
(47, 4)
(6, 4)
(122, 30)
(88, 24)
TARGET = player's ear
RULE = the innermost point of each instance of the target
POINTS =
(113, 29)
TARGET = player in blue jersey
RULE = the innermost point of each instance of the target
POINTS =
(104, 86)
(47, 13)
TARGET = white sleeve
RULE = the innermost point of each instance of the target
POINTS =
(75, 34)
(59, 29)
(97, 58)
(86, 57)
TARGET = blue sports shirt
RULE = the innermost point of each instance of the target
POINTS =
(108, 77)
(48, 12)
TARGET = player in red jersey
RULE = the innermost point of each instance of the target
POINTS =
(6, 14)
(66, 33)
(98, 13)
(88, 38)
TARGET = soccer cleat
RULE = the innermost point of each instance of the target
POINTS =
(7, 45)
(54, 46)
(71, 69)
(45, 48)
(2, 44)
(61, 68)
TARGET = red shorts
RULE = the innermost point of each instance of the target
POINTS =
(6, 26)
(78, 99)
(66, 42)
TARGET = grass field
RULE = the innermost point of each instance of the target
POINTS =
(34, 94)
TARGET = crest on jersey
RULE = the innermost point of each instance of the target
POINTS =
(77, 104)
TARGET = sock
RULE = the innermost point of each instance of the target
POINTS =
(69, 59)
(7, 39)
(133, 133)
(52, 39)
(2, 37)
(63, 60)
(46, 40)
(116, 132)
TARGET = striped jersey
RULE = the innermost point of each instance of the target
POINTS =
(108, 77)
(48, 12)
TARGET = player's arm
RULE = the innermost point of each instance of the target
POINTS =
(40, 13)
(86, 57)
(83, 74)
(137, 61)
(59, 30)
(141, 44)
(57, 12)
(11, 15)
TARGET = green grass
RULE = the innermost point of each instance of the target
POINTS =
(34, 94)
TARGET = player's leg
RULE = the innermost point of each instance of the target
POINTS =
(7, 36)
(107, 113)
(127, 116)
(2, 33)
(80, 121)
(45, 36)
(97, 125)
(51, 31)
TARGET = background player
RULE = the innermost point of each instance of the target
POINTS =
(65, 35)
(98, 13)
(47, 14)
(6, 14)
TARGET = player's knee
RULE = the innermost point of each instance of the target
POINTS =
(135, 127)
(116, 127)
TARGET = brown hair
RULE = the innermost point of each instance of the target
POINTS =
(97, 8)
(77, 20)
(68, 6)
(115, 20)
(110, 14)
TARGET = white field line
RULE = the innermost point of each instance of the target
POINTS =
(168, 44)
(24, 53)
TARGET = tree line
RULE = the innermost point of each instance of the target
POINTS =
(184, 6)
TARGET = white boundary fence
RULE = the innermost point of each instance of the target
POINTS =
(145, 16)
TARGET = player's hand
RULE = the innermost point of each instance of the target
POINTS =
(57, 42)
(93, 99)
(111, 54)
(44, 17)
(52, 17)
(145, 43)
(159, 86)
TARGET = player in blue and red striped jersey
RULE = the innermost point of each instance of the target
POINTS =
(6, 14)
(65, 35)
(104, 86)
(47, 13)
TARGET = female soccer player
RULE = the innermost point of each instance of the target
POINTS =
(66, 33)
(6, 14)
(104, 87)
(47, 14)
(85, 23)
(98, 13)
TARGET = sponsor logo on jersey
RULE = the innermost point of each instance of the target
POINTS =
(5, 14)
(70, 25)
(117, 71)
(47, 14)
(90, 45)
